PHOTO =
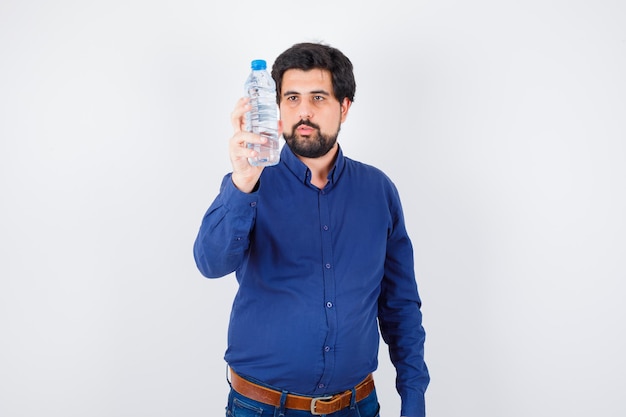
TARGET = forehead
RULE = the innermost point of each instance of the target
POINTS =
(302, 82)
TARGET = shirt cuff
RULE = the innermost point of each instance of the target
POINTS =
(235, 200)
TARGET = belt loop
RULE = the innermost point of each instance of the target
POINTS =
(280, 411)
(353, 399)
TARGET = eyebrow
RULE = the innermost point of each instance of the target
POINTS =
(315, 92)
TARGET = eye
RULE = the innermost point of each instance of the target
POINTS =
(318, 98)
(291, 98)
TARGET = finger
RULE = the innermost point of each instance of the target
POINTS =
(237, 117)
(241, 139)
(239, 144)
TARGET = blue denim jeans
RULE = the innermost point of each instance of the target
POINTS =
(240, 406)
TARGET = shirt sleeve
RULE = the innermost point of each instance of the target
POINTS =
(223, 237)
(400, 317)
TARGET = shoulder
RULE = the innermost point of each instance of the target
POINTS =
(369, 173)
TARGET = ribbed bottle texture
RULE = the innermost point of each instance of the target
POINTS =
(263, 118)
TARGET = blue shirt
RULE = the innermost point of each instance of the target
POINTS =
(318, 270)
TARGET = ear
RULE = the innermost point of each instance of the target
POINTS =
(345, 106)
(280, 127)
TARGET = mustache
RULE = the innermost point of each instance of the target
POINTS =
(306, 122)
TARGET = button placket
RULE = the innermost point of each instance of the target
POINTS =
(329, 290)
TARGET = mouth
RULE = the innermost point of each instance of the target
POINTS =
(305, 130)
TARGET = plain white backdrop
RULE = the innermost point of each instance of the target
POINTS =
(503, 124)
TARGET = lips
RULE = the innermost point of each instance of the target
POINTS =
(305, 130)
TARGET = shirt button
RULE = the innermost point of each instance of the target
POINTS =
(329, 304)
(326, 348)
(253, 204)
(325, 227)
(320, 386)
(327, 266)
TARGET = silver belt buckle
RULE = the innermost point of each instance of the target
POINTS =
(314, 403)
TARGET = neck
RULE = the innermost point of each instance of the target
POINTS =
(320, 167)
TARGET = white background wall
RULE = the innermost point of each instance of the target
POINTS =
(501, 122)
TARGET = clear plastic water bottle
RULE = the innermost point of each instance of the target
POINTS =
(263, 118)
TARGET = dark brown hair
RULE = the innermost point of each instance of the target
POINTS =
(307, 56)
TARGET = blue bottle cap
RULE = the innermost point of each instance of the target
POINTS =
(259, 64)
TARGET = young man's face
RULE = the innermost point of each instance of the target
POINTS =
(310, 113)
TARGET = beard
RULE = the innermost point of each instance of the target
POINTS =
(310, 146)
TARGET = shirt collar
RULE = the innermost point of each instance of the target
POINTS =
(302, 172)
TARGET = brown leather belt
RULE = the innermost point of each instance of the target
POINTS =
(317, 405)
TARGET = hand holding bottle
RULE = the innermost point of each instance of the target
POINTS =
(244, 176)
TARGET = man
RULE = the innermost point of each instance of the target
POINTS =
(321, 255)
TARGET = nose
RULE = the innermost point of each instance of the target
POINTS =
(304, 111)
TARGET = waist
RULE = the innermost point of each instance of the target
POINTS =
(316, 405)
(288, 361)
